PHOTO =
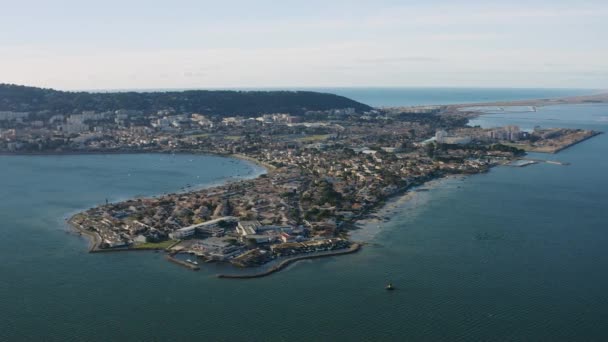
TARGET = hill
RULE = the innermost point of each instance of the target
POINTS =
(215, 102)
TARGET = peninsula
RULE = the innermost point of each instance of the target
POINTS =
(330, 162)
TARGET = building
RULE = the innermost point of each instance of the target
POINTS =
(275, 228)
(140, 239)
(183, 233)
(442, 137)
(508, 133)
(213, 227)
(258, 238)
(248, 227)
(217, 248)
(287, 238)
(74, 128)
(11, 116)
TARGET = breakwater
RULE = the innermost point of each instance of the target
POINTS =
(352, 249)
(561, 148)
(188, 265)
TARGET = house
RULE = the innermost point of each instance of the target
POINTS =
(140, 239)
(258, 238)
(183, 233)
(287, 238)
(210, 227)
(248, 227)
(217, 248)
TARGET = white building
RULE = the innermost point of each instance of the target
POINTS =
(442, 137)
(248, 227)
(210, 227)
(74, 128)
(217, 248)
(183, 233)
(9, 116)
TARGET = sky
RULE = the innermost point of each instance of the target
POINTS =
(133, 44)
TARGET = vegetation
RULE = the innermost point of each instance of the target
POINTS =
(217, 102)
(156, 245)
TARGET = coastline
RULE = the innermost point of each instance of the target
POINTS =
(269, 168)
(376, 215)
(600, 97)
(363, 224)
(595, 134)
(366, 229)
(355, 247)
(94, 238)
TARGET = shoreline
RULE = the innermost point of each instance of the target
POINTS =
(601, 97)
(269, 168)
(407, 192)
(95, 240)
(561, 148)
(362, 223)
(366, 229)
(355, 247)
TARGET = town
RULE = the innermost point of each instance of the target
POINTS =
(325, 170)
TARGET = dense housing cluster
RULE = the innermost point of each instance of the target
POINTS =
(326, 170)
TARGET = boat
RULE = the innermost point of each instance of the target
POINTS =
(389, 287)
(188, 260)
(195, 262)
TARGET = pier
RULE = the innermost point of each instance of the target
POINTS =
(188, 265)
(352, 249)
(534, 161)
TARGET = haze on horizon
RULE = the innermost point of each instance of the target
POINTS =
(68, 44)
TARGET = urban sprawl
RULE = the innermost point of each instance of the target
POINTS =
(325, 171)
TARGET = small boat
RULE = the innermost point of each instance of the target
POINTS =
(389, 287)
(195, 262)
(188, 260)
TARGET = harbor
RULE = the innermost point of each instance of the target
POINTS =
(286, 262)
(189, 265)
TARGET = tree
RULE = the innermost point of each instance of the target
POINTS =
(252, 243)
(430, 149)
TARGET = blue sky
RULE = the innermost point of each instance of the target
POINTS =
(124, 44)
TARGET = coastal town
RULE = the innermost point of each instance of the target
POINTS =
(325, 171)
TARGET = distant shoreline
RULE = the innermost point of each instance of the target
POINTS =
(598, 98)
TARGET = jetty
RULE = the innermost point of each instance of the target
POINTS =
(183, 263)
(352, 249)
(528, 161)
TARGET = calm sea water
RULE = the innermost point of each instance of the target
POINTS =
(516, 254)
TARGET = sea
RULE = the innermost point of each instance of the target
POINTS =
(516, 254)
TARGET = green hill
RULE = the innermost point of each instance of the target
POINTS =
(215, 102)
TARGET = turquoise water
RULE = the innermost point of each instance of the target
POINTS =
(515, 254)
